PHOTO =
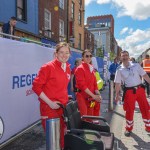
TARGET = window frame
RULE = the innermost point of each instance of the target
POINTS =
(61, 4)
(23, 9)
(47, 33)
(80, 38)
(80, 17)
(72, 10)
(61, 28)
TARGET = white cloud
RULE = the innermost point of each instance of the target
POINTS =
(124, 30)
(136, 9)
(87, 2)
(130, 30)
(103, 1)
(136, 43)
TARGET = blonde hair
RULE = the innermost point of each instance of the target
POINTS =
(62, 44)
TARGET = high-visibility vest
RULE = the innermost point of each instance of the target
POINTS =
(99, 80)
(146, 65)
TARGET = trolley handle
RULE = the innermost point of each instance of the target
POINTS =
(61, 105)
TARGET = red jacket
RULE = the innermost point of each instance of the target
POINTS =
(85, 79)
(53, 81)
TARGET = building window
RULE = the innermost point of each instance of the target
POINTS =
(79, 17)
(80, 2)
(47, 23)
(61, 30)
(61, 4)
(22, 10)
(72, 10)
(79, 46)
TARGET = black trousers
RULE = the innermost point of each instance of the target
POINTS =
(147, 86)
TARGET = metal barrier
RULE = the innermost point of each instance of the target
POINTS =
(111, 95)
(22, 39)
(53, 134)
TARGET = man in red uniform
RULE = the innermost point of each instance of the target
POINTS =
(88, 95)
(52, 89)
(130, 74)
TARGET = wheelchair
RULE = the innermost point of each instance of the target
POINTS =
(85, 135)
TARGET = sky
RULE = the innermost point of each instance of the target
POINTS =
(131, 22)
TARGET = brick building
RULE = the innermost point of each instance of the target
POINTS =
(76, 23)
(53, 20)
(103, 29)
(101, 21)
(88, 40)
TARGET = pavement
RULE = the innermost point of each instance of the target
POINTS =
(34, 139)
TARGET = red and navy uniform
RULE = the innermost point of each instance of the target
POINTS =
(131, 77)
(53, 81)
(86, 79)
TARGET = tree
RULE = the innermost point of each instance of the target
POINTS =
(99, 52)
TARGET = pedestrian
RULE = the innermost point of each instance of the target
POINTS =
(112, 69)
(78, 61)
(99, 80)
(130, 74)
(88, 96)
(132, 59)
(51, 87)
(9, 28)
(146, 66)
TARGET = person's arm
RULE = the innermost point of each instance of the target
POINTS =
(5, 28)
(117, 82)
(94, 96)
(82, 85)
(117, 89)
(38, 84)
(71, 82)
(50, 103)
(146, 77)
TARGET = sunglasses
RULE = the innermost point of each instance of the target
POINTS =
(87, 56)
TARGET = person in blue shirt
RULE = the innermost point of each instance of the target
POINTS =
(112, 69)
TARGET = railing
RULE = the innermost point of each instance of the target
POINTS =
(22, 39)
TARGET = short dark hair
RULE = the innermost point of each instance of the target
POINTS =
(147, 56)
(13, 18)
(86, 50)
(124, 52)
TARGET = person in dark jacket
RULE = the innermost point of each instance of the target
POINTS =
(112, 69)
(9, 28)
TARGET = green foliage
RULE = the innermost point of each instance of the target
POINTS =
(99, 52)
(112, 56)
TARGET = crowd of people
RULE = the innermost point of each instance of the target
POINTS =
(53, 89)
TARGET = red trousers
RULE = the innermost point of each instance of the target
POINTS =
(84, 106)
(129, 107)
(47, 113)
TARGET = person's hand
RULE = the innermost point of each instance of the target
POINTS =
(117, 98)
(54, 105)
(98, 98)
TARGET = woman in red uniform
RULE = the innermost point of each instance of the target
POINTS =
(51, 86)
(88, 96)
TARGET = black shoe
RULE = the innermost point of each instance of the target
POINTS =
(127, 133)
